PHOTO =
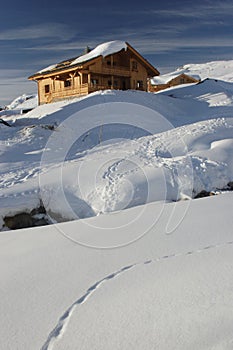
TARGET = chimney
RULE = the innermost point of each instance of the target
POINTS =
(86, 50)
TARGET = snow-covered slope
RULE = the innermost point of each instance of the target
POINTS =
(168, 166)
(161, 291)
(177, 162)
(152, 276)
(24, 101)
(20, 105)
(222, 70)
(215, 93)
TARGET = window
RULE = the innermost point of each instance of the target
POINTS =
(94, 81)
(109, 63)
(115, 83)
(109, 83)
(135, 65)
(139, 85)
(181, 80)
(46, 89)
(85, 78)
(67, 83)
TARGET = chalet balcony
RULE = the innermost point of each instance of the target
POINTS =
(121, 71)
(70, 91)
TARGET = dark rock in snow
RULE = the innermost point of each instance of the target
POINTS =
(203, 194)
(17, 221)
(37, 217)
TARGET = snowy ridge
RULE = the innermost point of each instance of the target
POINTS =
(221, 70)
(171, 165)
(25, 101)
(20, 105)
(168, 166)
(156, 272)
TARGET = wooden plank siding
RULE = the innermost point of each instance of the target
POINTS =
(179, 80)
(123, 70)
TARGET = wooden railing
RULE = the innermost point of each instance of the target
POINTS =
(70, 91)
(115, 70)
(92, 87)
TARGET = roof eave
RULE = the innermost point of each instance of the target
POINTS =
(153, 70)
(54, 72)
(69, 68)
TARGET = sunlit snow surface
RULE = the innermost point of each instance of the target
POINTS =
(151, 276)
(162, 291)
(114, 150)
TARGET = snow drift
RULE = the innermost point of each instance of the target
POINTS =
(71, 155)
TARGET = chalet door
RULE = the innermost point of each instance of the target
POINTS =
(125, 84)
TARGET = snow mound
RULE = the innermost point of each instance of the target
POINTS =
(101, 145)
(175, 164)
(215, 70)
(214, 92)
(179, 106)
(25, 101)
(167, 166)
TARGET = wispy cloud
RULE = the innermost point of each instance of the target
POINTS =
(206, 8)
(47, 30)
(145, 41)
(64, 46)
(13, 82)
(181, 9)
(150, 46)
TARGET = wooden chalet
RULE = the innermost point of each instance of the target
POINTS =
(112, 65)
(168, 80)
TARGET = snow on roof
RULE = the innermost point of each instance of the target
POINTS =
(164, 79)
(53, 66)
(104, 49)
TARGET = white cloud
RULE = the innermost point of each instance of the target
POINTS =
(62, 46)
(206, 9)
(158, 46)
(46, 30)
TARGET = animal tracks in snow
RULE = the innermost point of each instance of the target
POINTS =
(62, 324)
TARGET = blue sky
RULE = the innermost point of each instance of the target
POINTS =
(35, 34)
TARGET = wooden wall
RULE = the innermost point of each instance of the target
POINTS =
(122, 71)
(179, 80)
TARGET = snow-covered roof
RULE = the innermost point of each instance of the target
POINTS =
(53, 66)
(104, 49)
(164, 79)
